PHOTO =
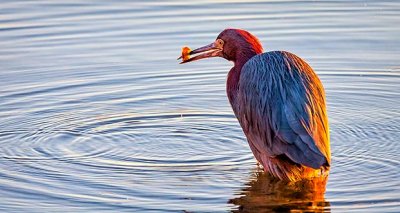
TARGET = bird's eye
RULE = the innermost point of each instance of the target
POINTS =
(220, 42)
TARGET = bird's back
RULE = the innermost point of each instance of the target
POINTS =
(280, 105)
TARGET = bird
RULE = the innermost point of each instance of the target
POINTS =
(279, 102)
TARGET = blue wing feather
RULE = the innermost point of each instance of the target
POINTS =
(281, 108)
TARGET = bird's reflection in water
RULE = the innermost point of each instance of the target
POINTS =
(264, 193)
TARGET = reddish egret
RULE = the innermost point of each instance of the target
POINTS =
(279, 102)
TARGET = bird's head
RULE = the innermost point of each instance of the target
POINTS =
(231, 44)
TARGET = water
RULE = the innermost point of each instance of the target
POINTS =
(97, 115)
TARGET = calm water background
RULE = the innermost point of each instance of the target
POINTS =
(97, 115)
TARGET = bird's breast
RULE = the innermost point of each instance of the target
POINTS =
(232, 85)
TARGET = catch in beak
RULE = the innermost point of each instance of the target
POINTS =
(212, 50)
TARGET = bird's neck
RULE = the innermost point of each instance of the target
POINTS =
(232, 84)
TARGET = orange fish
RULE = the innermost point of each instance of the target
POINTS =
(185, 53)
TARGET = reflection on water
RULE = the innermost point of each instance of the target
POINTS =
(96, 114)
(263, 193)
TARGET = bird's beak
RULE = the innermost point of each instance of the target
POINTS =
(212, 50)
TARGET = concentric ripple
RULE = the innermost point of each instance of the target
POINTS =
(364, 140)
(93, 154)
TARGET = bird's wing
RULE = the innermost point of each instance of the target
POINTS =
(281, 108)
